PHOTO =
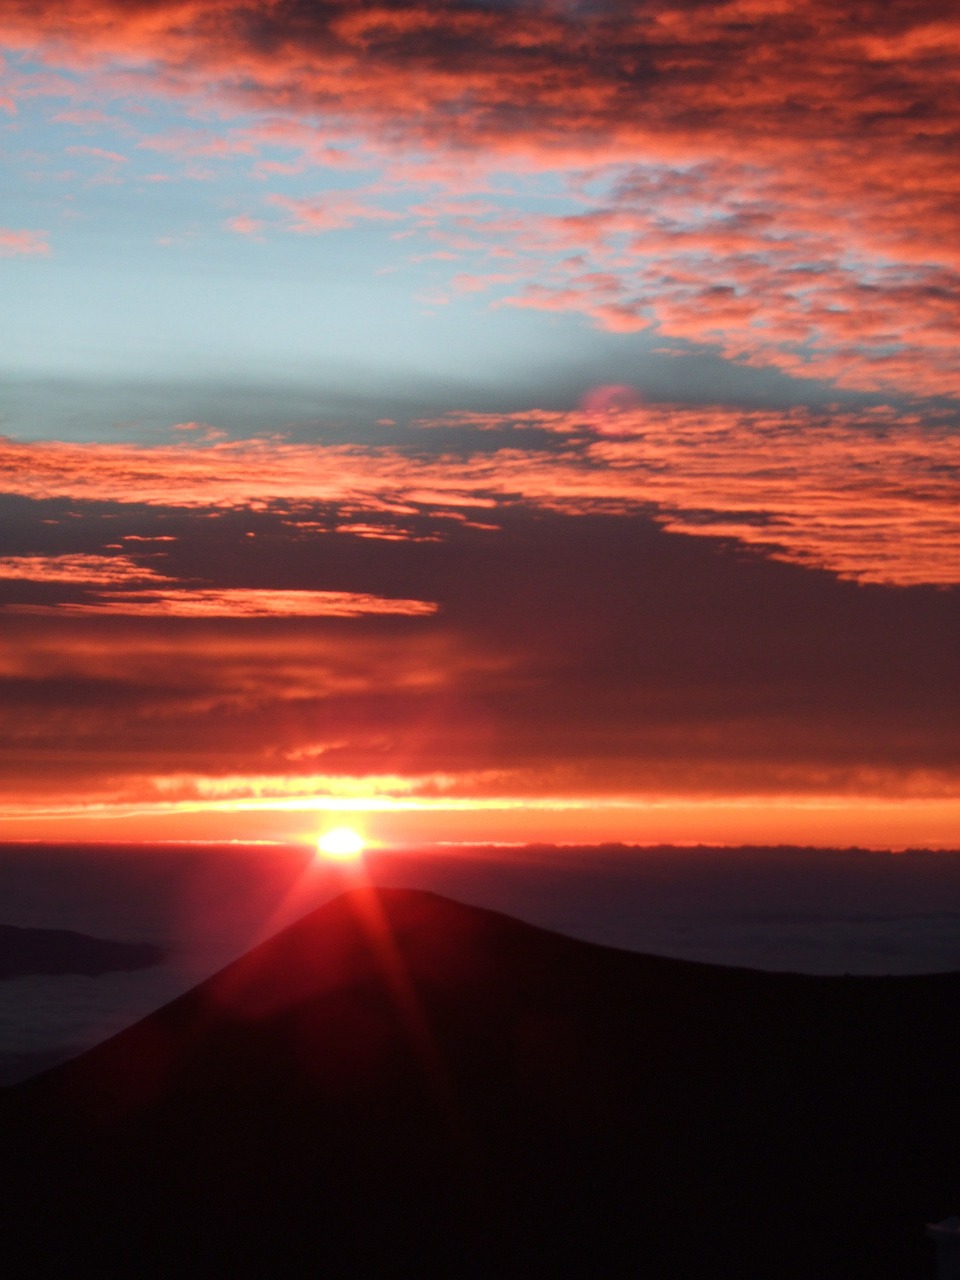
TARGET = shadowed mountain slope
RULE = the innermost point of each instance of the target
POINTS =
(399, 1085)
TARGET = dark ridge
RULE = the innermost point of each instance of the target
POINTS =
(402, 1086)
(26, 952)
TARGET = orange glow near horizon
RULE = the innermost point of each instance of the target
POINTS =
(826, 822)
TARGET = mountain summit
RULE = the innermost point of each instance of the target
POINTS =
(400, 1085)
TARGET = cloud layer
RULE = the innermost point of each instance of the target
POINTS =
(777, 181)
(619, 603)
(606, 607)
(574, 660)
(873, 496)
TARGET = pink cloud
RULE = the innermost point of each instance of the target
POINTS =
(200, 431)
(596, 295)
(466, 282)
(332, 211)
(244, 225)
(193, 143)
(98, 153)
(29, 243)
(83, 116)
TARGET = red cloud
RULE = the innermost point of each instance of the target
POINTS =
(872, 496)
(621, 77)
(785, 185)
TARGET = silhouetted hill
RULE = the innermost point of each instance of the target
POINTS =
(53, 951)
(399, 1085)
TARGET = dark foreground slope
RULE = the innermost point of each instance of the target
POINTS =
(399, 1085)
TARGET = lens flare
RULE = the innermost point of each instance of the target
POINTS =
(342, 844)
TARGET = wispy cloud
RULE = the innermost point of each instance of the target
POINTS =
(79, 568)
(873, 496)
(98, 153)
(332, 211)
(33, 243)
(202, 602)
(146, 593)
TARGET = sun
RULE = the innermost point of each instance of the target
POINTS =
(342, 844)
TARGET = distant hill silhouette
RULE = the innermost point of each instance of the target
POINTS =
(402, 1086)
(25, 951)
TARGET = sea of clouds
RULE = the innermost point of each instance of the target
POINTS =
(803, 910)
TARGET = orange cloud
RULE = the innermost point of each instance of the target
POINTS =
(871, 496)
(235, 667)
(238, 602)
(85, 569)
(781, 179)
(187, 600)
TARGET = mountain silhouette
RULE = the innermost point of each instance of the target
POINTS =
(399, 1085)
(26, 951)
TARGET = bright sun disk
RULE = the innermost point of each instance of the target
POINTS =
(342, 843)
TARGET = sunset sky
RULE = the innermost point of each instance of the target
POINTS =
(500, 420)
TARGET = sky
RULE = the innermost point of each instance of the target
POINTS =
(490, 421)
